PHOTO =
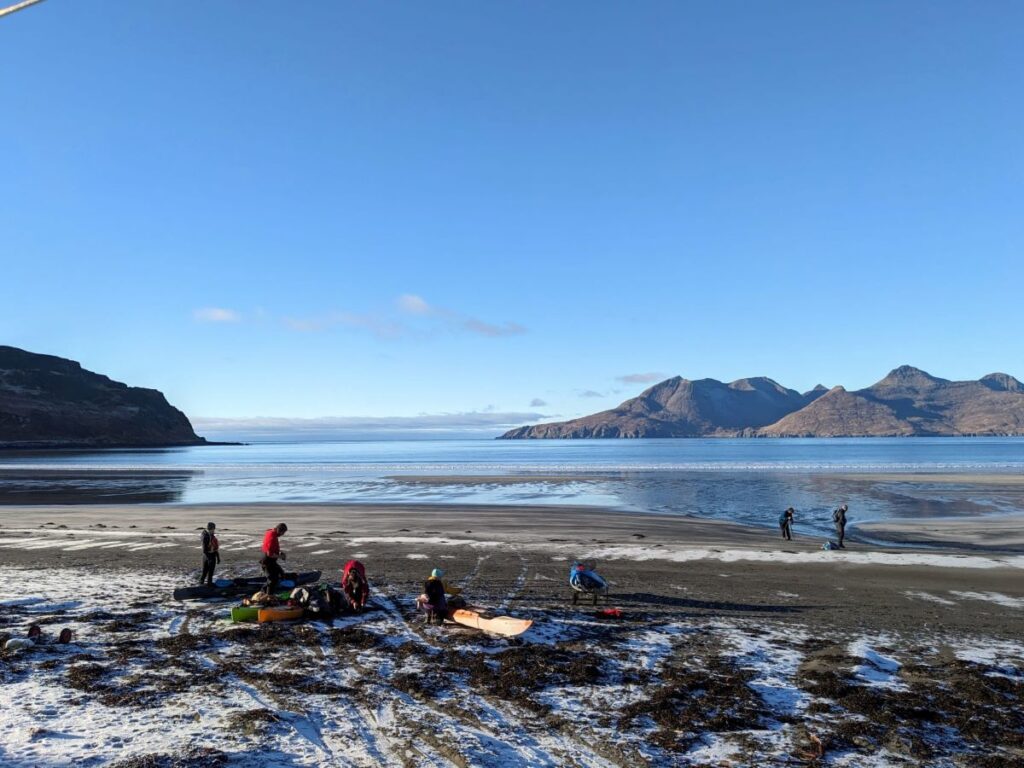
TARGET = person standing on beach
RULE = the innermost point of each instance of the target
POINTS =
(786, 524)
(271, 554)
(211, 554)
(839, 518)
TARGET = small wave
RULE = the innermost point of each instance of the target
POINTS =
(478, 468)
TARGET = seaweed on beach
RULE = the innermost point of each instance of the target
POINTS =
(355, 638)
(85, 677)
(127, 622)
(519, 672)
(192, 757)
(945, 709)
(695, 698)
(184, 642)
(251, 722)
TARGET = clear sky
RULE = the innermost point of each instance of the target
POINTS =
(392, 209)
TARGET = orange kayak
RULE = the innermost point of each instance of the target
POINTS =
(497, 625)
(280, 614)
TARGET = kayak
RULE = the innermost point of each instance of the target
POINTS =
(246, 586)
(506, 626)
(245, 613)
(251, 612)
(280, 613)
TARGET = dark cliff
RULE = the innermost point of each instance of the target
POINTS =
(48, 401)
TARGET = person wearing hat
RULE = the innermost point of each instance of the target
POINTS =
(211, 554)
(434, 600)
(839, 518)
(271, 554)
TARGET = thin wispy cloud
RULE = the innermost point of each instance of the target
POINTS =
(379, 326)
(216, 315)
(412, 304)
(641, 378)
(403, 320)
(590, 393)
(537, 403)
(484, 422)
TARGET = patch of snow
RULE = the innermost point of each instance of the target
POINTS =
(877, 670)
(929, 597)
(992, 597)
(684, 555)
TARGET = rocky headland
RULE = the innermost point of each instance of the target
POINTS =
(52, 402)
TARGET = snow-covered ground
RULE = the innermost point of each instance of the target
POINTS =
(148, 682)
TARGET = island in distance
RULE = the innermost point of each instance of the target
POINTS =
(906, 403)
(51, 402)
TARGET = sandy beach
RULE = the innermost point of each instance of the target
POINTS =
(779, 636)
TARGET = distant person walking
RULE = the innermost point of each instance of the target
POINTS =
(786, 524)
(271, 554)
(839, 518)
(211, 554)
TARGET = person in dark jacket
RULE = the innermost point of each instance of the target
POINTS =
(271, 554)
(434, 600)
(211, 554)
(839, 518)
(786, 524)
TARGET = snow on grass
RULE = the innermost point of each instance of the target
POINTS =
(773, 663)
(684, 555)
(917, 595)
(877, 669)
(439, 541)
(991, 597)
(1000, 653)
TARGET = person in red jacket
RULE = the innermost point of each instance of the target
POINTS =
(271, 554)
(354, 584)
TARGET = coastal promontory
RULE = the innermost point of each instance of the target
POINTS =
(52, 402)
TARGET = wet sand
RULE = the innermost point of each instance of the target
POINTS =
(665, 563)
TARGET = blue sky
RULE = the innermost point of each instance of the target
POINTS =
(508, 210)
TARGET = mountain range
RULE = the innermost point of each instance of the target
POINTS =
(51, 402)
(908, 402)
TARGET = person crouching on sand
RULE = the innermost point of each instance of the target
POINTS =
(354, 585)
(271, 554)
(211, 554)
(786, 524)
(434, 600)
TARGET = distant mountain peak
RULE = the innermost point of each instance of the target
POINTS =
(1002, 382)
(908, 376)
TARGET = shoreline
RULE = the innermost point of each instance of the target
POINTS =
(1000, 533)
(770, 630)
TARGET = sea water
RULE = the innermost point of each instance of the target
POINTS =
(748, 481)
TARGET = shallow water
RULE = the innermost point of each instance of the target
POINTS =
(744, 480)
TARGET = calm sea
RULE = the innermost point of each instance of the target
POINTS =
(744, 480)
